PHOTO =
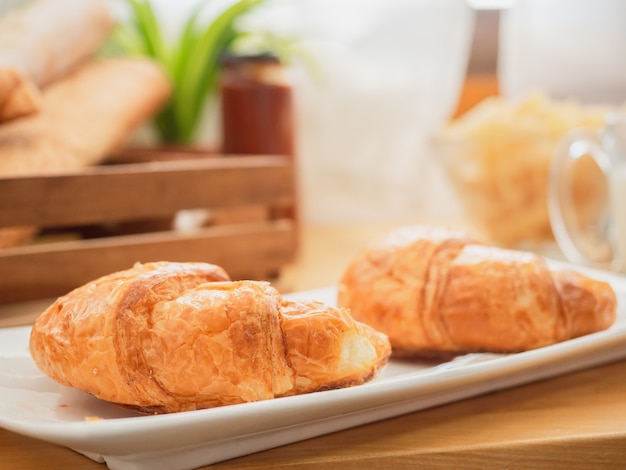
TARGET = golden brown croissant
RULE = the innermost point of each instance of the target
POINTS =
(436, 291)
(166, 337)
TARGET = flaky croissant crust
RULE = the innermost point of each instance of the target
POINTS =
(436, 291)
(167, 337)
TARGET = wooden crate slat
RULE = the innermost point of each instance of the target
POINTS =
(144, 190)
(246, 251)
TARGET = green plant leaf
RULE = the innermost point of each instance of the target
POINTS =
(167, 123)
(191, 63)
(129, 41)
(186, 42)
(148, 26)
(197, 76)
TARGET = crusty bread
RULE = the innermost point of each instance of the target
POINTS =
(40, 42)
(437, 292)
(167, 337)
(84, 116)
(18, 97)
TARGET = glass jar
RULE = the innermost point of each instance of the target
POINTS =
(256, 106)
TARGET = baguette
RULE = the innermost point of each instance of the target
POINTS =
(41, 43)
(18, 97)
(84, 117)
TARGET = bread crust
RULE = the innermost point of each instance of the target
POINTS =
(437, 292)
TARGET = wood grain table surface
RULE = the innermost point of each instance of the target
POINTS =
(577, 420)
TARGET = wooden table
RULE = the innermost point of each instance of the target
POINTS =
(572, 421)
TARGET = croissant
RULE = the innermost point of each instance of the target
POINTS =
(167, 337)
(439, 292)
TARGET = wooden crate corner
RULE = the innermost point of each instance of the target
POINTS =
(134, 202)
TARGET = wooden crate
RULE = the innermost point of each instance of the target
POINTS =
(238, 192)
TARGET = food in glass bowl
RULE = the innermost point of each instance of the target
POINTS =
(498, 156)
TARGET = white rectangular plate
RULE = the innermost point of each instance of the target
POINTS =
(34, 405)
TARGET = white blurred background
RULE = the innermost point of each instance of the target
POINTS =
(388, 73)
